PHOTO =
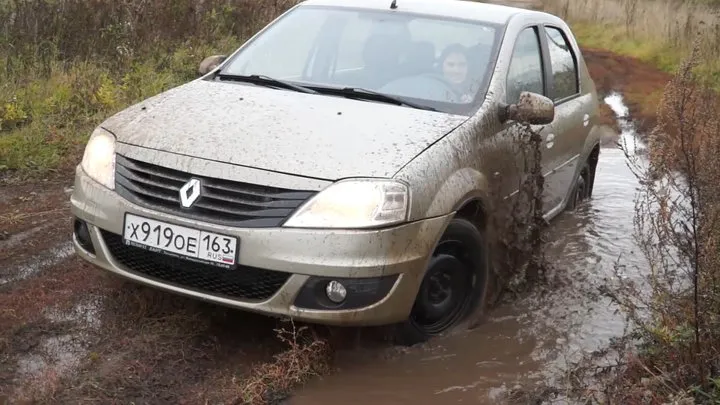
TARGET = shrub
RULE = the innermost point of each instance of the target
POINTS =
(68, 64)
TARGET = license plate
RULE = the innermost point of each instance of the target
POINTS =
(180, 241)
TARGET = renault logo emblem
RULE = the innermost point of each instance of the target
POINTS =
(189, 193)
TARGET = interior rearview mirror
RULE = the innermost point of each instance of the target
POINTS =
(210, 63)
(531, 108)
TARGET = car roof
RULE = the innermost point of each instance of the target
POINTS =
(464, 9)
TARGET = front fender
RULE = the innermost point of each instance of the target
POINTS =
(462, 186)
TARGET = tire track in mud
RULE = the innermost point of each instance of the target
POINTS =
(40, 332)
(35, 224)
(39, 262)
(69, 330)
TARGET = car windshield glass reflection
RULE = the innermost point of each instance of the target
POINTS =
(439, 63)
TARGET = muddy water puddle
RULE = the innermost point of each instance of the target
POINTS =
(532, 340)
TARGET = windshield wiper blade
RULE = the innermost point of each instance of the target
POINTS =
(266, 80)
(362, 93)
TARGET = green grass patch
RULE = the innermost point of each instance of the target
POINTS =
(659, 53)
(65, 67)
(46, 119)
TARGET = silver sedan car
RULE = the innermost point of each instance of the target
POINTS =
(334, 168)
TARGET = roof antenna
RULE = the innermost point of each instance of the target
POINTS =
(393, 5)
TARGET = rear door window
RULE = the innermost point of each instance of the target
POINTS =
(563, 64)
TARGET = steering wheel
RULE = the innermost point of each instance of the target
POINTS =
(430, 86)
(445, 83)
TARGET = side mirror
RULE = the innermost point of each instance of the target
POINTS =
(210, 63)
(531, 108)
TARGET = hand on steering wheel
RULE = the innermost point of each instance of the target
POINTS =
(456, 96)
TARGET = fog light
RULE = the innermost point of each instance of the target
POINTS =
(335, 292)
(82, 234)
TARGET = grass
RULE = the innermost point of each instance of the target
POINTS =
(677, 229)
(66, 67)
(660, 32)
(49, 118)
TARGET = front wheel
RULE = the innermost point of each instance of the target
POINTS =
(583, 189)
(455, 282)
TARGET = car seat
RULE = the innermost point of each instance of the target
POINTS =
(420, 58)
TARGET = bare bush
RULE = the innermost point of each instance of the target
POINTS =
(37, 32)
(671, 351)
(678, 229)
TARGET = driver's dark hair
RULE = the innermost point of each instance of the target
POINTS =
(453, 48)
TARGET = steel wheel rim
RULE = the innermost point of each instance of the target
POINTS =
(450, 285)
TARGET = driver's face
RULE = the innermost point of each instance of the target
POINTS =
(455, 68)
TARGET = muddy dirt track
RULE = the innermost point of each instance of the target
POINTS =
(70, 332)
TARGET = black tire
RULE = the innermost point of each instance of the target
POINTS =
(455, 282)
(583, 188)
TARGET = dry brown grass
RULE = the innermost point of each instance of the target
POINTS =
(674, 22)
(688, 122)
(37, 32)
(672, 350)
(678, 228)
(308, 355)
(658, 31)
(65, 65)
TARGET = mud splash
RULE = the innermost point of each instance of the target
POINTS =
(630, 140)
(532, 340)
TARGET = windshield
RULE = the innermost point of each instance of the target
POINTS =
(437, 62)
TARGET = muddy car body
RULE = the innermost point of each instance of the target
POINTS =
(277, 183)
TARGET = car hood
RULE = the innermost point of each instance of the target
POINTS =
(308, 135)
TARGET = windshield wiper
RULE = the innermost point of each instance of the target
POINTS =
(266, 81)
(361, 93)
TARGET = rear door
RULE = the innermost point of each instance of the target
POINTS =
(571, 125)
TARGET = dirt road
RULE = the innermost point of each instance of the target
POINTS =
(69, 331)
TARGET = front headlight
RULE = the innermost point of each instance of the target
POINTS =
(99, 158)
(354, 204)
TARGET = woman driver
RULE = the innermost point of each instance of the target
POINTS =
(454, 65)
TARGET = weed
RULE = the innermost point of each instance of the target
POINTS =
(659, 31)
(307, 355)
(67, 65)
(671, 351)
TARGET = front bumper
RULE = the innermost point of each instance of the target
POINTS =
(308, 256)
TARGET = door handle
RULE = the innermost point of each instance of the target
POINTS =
(550, 141)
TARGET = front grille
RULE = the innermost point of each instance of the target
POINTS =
(221, 201)
(244, 282)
